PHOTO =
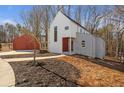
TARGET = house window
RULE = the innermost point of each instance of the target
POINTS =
(80, 30)
(55, 28)
(83, 43)
(55, 34)
(66, 27)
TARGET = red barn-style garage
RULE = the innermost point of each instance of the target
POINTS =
(25, 42)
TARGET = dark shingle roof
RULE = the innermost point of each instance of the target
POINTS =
(75, 21)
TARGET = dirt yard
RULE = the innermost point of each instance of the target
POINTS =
(48, 73)
(66, 71)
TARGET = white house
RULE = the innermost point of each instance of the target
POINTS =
(69, 37)
(89, 45)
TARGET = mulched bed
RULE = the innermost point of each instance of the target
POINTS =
(27, 55)
(47, 73)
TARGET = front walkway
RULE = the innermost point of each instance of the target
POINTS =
(31, 58)
(15, 53)
(7, 77)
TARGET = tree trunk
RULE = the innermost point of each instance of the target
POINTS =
(117, 50)
(46, 35)
(34, 51)
(121, 51)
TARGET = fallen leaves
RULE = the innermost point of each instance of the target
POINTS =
(92, 74)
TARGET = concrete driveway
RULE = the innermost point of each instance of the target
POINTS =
(7, 76)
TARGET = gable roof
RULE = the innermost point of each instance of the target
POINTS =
(74, 21)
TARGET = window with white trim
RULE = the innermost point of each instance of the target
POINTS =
(83, 43)
(80, 30)
(66, 27)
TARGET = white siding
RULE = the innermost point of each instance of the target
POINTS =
(100, 48)
(89, 49)
(60, 21)
(94, 47)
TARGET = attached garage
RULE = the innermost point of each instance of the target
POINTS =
(25, 42)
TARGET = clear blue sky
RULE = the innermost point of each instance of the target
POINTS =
(11, 13)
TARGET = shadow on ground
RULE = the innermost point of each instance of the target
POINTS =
(50, 72)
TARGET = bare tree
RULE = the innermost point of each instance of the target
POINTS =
(120, 13)
(115, 18)
(69, 10)
(93, 16)
(34, 38)
(78, 13)
(33, 24)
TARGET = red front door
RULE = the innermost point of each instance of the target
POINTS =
(65, 44)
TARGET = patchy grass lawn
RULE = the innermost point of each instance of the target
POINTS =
(68, 71)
